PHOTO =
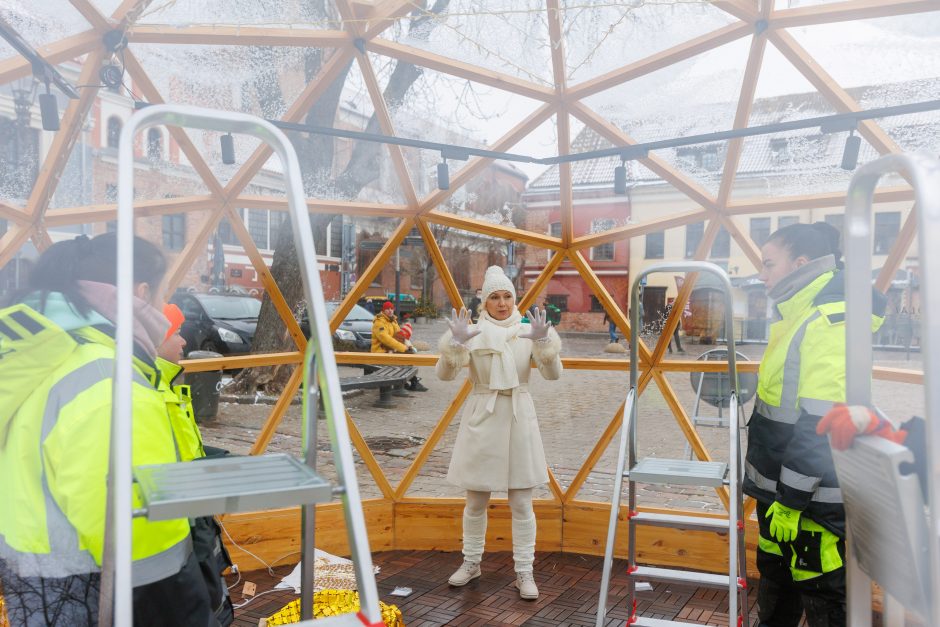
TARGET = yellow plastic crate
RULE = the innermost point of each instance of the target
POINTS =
(330, 603)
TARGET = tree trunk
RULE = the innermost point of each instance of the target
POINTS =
(316, 154)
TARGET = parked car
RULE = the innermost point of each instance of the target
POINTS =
(353, 334)
(222, 323)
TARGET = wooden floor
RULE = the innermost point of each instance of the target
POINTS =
(568, 586)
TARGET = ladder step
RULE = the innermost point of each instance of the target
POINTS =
(228, 484)
(658, 470)
(675, 521)
(690, 577)
(658, 622)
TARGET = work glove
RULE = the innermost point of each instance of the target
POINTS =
(844, 422)
(460, 326)
(784, 522)
(538, 325)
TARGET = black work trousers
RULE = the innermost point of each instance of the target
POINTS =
(781, 601)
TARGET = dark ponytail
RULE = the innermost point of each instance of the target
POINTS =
(810, 240)
(64, 264)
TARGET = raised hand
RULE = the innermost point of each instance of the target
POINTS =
(460, 326)
(538, 325)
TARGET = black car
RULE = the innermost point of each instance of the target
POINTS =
(355, 332)
(222, 323)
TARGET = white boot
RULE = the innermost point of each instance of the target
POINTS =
(474, 537)
(523, 555)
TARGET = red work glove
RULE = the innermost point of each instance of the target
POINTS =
(844, 422)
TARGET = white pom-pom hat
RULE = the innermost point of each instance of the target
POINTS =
(495, 280)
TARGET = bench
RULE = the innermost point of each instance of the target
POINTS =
(386, 378)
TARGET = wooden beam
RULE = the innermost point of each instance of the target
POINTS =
(12, 241)
(660, 60)
(668, 173)
(813, 201)
(129, 11)
(494, 230)
(528, 299)
(91, 15)
(8, 212)
(366, 276)
(252, 360)
(40, 237)
(898, 375)
(63, 141)
(557, 46)
(243, 35)
(694, 365)
(461, 69)
(368, 458)
(613, 310)
(742, 115)
(566, 195)
(277, 412)
(284, 310)
(741, 9)
(439, 429)
(437, 258)
(194, 248)
(54, 53)
(477, 164)
(828, 87)
(329, 72)
(847, 11)
(149, 91)
(314, 205)
(142, 209)
(384, 14)
(385, 122)
(621, 233)
(748, 247)
(901, 246)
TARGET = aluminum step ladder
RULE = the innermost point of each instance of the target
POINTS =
(659, 471)
(234, 484)
(891, 537)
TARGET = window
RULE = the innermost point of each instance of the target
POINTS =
(559, 300)
(596, 306)
(700, 157)
(174, 231)
(604, 252)
(114, 131)
(887, 225)
(655, 245)
(336, 237)
(154, 144)
(258, 227)
(693, 236)
(721, 248)
(779, 150)
(760, 230)
(783, 221)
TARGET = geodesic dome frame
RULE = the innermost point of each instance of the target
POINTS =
(565, 522)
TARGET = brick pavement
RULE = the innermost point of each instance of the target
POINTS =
(573, 412)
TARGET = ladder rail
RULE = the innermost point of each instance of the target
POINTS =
(118, 526)
(615, 508)
(923, 172)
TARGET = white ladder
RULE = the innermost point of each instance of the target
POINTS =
(659, 471)
(233, 484)
(891, 537)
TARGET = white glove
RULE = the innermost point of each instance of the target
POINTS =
(460, 326)
(538, 325)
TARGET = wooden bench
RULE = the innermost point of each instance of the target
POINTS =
(387, 379)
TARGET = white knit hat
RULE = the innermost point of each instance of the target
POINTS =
(494, 280)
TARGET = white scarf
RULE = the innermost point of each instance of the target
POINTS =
(494, 340)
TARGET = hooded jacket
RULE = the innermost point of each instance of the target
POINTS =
(801, 375)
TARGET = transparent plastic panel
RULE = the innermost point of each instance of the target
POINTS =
(917, 132)
(242, 12)
(507, 36)
(41, 23)
(107, 7)
(600, 36)
(887, 56)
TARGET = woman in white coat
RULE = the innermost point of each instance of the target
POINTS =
(499, 447)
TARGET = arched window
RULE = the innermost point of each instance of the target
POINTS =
(154, 144)
(114, 131)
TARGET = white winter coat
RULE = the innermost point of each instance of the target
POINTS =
(498, 444)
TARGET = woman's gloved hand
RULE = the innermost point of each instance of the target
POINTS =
(784, 522)
(460, 326)
(538, 325)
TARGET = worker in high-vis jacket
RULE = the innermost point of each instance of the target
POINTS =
(56, 369)
(789, 468)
